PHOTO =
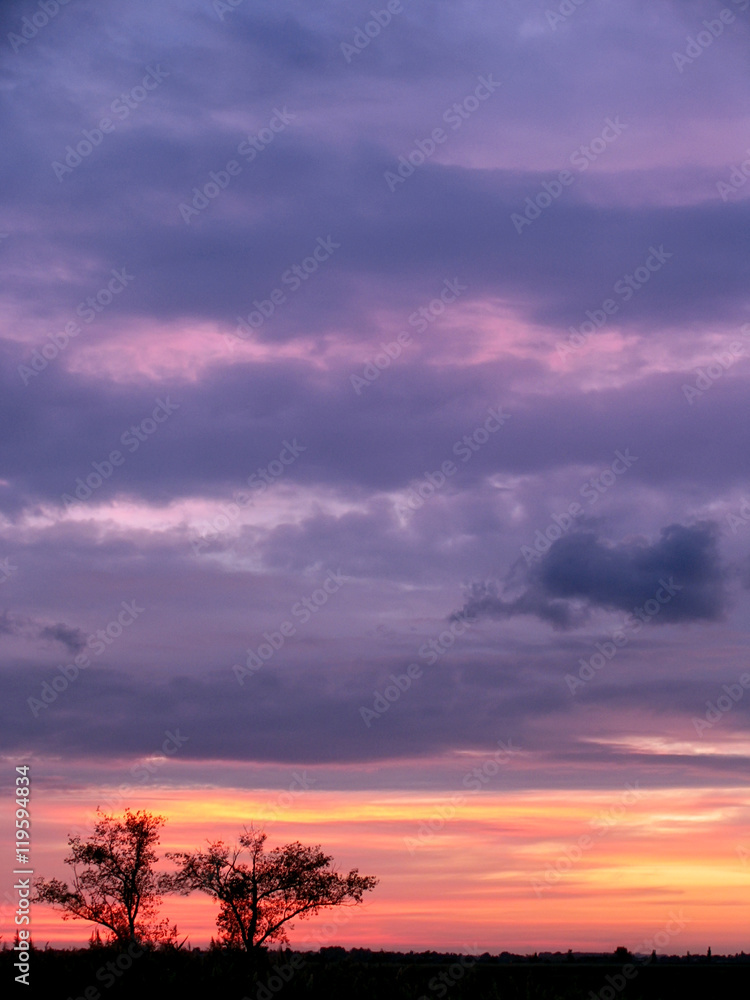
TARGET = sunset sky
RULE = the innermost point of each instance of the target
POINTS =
(374, 453)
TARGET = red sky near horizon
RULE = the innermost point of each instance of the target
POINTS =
(494, 870)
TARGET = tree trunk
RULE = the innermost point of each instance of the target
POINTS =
(258, 956)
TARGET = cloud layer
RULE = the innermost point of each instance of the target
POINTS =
(229, 367)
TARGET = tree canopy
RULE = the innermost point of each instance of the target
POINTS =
(114, 882)
(259, 896)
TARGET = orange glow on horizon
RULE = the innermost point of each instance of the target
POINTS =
(516, 871)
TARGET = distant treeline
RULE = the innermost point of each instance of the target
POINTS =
(108, 972)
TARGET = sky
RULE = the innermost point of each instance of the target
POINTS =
(373, 452)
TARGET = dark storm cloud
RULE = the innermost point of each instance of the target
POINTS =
(316, 716)
(235, 420)
(70, 637)
(8, 625)
(683, 567)
(449, 221)
(583, 566)
(484, 600)
(73, 639)
(307, 715)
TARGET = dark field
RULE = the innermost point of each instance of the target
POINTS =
(104, 974)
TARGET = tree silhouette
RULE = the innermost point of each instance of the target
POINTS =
(114, 882)
(259, 897)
